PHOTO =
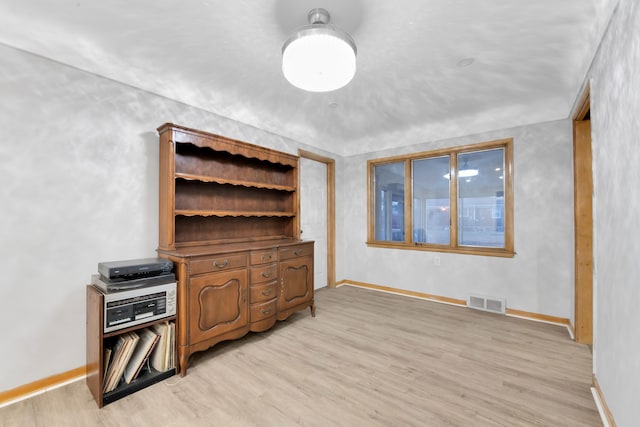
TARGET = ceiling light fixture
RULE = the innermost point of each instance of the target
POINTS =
(465, 172)
(319, 57)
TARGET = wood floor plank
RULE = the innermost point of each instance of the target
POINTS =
(367, 359)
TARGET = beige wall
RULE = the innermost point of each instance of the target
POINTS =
(615, 124)
(79, 167)
(538, 279)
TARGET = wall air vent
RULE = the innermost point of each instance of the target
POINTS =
(485, 303)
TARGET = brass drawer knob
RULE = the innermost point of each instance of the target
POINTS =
(265, 292)
(223, 265)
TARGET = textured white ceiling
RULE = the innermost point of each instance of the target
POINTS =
(530, 59)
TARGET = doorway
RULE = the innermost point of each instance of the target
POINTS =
(583, 225)
(317, 213)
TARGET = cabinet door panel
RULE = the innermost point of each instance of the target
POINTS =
(218, 304)
(296, 282)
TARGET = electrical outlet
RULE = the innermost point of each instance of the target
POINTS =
(436, 260)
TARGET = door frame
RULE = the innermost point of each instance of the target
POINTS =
(583, 220)
(331, 211)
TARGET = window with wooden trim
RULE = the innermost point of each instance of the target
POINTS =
(451, 200)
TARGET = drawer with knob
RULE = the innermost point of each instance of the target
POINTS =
(262, 311)
(263, 292)
(218, 263)
(295, 251)
(264, 273)
(264, 257)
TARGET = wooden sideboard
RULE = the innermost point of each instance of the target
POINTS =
(229, 221)
(228, 290)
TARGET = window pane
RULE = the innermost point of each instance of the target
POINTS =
(431, 212)
(389, 201)
(481, 198)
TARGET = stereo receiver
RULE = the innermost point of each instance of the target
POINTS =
(134, 307)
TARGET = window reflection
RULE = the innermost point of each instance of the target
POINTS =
(431, 207)
(389, 202)
(481, 199)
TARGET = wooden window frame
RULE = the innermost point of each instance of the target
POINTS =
(453, 247)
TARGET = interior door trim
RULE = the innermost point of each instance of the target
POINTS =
(331, 211)
(583, 221)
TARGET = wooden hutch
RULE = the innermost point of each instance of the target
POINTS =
(229, 222)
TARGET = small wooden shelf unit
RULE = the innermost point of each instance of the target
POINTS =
(229, 221)
(96, 340)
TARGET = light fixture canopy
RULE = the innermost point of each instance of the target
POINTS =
(319, 57)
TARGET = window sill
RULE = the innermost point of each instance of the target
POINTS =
(496, 252)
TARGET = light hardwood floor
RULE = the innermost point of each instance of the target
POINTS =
(367, 359)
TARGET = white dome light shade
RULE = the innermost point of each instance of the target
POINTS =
(319, 58)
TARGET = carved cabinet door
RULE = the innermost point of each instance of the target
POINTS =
(296, 282)
(218, 303)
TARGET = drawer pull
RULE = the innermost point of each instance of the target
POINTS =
(265, 312)
(266, 257)
(223, 265)
(266, 274)
(297, 253)
(265, 292)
